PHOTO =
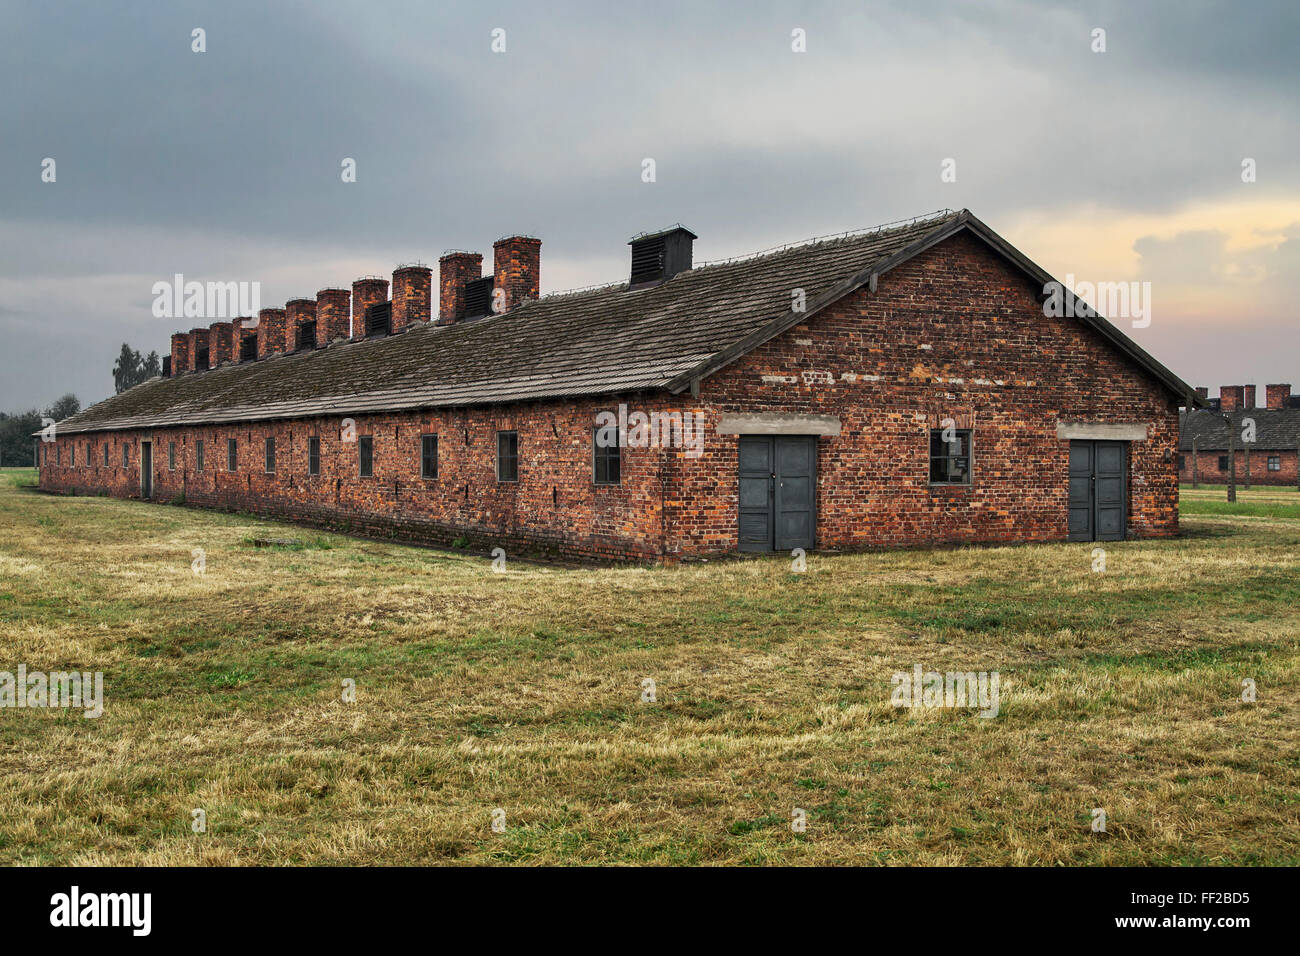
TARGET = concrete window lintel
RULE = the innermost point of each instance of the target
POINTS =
(778, 423)
(1102, 431)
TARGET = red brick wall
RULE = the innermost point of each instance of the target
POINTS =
(1208, 472)
(954, 332)
(554, 507)
(993, 360)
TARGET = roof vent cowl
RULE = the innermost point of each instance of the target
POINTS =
(658, 256)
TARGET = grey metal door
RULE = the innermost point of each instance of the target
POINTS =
(146, 469)
(1098, 490)
(778, 482)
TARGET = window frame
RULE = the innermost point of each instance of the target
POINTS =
(1223, 463)
(313, 455)
(232, 454)
(106, 453)
(969, 456)
(513, 457)
(1274, 463)
(268, 450)
(365, 456)
(426, 457)
(611, 452)
(126, 454)
(171, 456)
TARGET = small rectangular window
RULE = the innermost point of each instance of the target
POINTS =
(606, 455)
(270, 456)
(507, 456)
(198, 455)
(171, 456)
(232, 456)
(105, 454)
(313, 455)
(126, 455)
(428, 456)
(1223, 463)
(1274, 462)
(366, 455)
(950, 456)
(88, 462)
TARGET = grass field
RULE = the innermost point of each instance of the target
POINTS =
(522, 691)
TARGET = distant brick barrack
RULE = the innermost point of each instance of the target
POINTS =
(923, 397)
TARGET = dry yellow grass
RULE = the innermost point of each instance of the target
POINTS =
(522, 691)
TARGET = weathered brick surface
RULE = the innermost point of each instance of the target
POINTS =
(270, 331)
(199, 339)
(219, 343)
(454, 270)
(412, 289)
(1208, 472)
(954, 332)
(239, 330)
(365, 293)
(182, 354)
(333, 319)
(297, 312)
(516, 269)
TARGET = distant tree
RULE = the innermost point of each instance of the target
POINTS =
(152, 366)
(65, 407)
(18, 430)
(127, 369)
(16, 439)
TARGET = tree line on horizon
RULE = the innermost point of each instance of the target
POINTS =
(17, 429)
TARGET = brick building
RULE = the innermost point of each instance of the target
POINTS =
(1267, 458)
(903, 386)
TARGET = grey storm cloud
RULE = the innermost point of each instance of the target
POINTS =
(226, 164)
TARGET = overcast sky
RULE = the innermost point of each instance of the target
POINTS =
(225, 165)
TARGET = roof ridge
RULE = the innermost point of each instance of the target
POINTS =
(898, 224)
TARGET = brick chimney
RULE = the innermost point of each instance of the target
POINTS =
(516, 268)
(1276, 395)
(297, 313)
(238, 331)
(1231, 397)
(180, 353)
(411, 290)
(200, 359)
(332, 319)
(1202, 392)
(365, 293)
(270, 332)
(1248, 397)
(219, 343)
(454, 270)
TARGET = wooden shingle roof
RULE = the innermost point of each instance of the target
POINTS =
(602, 341)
